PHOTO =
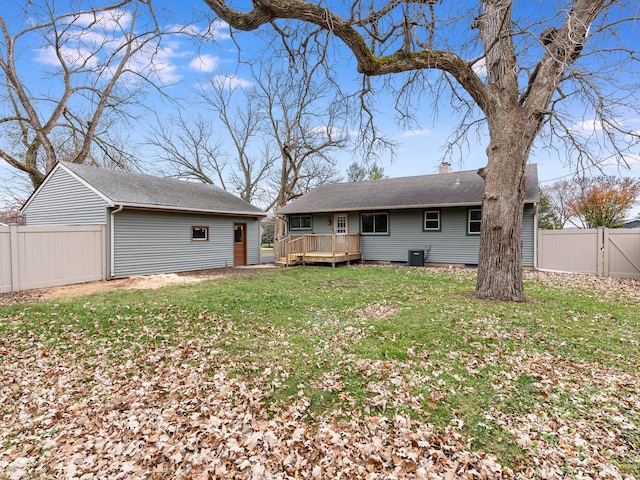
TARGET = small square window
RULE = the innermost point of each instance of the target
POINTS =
(200, 234)
(474, 220)
(431, 220)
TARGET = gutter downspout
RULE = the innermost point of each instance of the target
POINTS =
(112, 248)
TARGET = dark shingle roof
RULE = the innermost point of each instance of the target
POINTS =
(439, 190)
(146, 191)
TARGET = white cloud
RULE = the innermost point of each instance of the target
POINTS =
(80, 45)
(325, 130)
(632, 138)
(108, 21)
(166, 71)
(157, 63)
(231, 82)
(320, 130)
(164, 64)
(47, 56)
(631, 160)
(415, 133)
(590, 127)
(480, 67)
(204, 63)
(74, 57)
(94, 37)
(587, 126)
(217, 30)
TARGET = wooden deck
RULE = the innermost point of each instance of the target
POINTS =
(312, 248)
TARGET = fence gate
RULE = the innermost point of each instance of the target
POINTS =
(621, 252)
(598, 251)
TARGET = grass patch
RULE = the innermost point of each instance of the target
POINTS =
(559, 371)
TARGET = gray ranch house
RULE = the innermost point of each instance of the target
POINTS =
(427, 219)
(153, 225)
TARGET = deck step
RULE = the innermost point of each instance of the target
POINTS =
(293, 260)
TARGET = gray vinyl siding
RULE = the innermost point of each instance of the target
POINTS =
(528, 236)
(254, 240)
(157, 242)
(64, 200)
(320, 223)
(450, 245)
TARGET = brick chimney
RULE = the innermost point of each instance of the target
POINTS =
(445, 167)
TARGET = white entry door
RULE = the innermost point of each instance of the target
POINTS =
(340, 225)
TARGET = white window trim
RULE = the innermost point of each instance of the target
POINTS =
(424, 221)
(206, 233)
(469, 232)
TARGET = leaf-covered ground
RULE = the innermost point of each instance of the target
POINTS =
(362, 372)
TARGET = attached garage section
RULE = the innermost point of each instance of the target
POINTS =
(150, 242)
(153, 225)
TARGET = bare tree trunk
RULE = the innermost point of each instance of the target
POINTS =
(500, 258)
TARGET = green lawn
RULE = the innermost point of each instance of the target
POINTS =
(547, 387)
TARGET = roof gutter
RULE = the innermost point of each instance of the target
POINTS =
(169, 208)
(112, 247)
(393, 207)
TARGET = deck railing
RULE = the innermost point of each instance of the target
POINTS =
(293, 248)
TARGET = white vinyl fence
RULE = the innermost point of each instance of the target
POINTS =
(39, 257)
(599, 251)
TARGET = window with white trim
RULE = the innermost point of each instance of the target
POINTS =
(474, 219)
(431, 220)
(199, 234)
(375, 223)
(300, 222)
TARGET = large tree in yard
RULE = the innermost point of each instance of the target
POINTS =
(70, 73)
(515, 67)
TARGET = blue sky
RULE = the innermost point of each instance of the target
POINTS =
(185, 64)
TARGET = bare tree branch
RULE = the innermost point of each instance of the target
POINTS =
(186, 144)
(95, 57)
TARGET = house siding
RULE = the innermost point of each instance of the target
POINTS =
(254, 240)
(528, 236)
(149, 242)
(450, 245)
(65, 200)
